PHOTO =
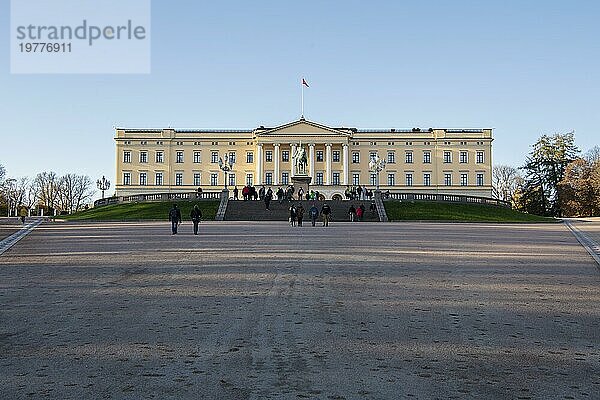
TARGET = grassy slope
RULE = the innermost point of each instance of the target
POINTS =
(144, 211)
(398, 211)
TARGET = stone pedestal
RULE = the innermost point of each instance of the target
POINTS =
(301, 181)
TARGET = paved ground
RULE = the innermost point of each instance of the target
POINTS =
(591, 226)
(8, 226)
(265, 311)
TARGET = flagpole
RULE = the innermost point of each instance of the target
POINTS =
(302, 89)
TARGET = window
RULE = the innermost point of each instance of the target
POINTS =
(179, 179)
(231, 179)
(391, 179)
(319, 178)
(427, 179)
(214, 179)
(268, 155)
(160, 157)
(126, 178)
(268, 178)
(426, 157)
(197, 157)
(143, 156)
(391, 157)
(179, 157)
(336, 155)
(126, 156)
(249, 179)
(214, 157)
(336, 178)
(232, 156)
(464, 180)
(285, 178)
(196, 178)
(143, 178)
(355, 157)
(355, 179)
(448, 179)
(158, 178)
(409, 179)
(464, 157)
(480, 157)
(249, 157)
(479, 179)
(285, 155)
(320, 155)
(447, 157)
(373, 179)
(409, 157)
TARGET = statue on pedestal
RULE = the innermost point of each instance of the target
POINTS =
(300, 160)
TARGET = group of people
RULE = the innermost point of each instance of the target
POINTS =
(287, 194)
(297, 214)
(358, 193)
(175, 218)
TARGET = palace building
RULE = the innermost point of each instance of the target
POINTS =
(434, 160)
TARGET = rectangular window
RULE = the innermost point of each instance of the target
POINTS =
(426, 179)
(214, 179)
(391, 159)
(143, 157)
(179, 156)
(268, 178)
(373, 179)
(464, 180)
(197, 157)
(447, 157)
(285, 178)
(409, 179)
(196, 178)
(249, 157)
(126, 156)
(143, 178)
(336, 155)
(391, 179)
(231, 179)
(160, 157)
(409, 157)
(336, 178)
(249, 179)
(355, 157)
(448, 179)
(285, 155)
(268, 155)
(480, 157)
(179, 179)
(372, 155)
(319, 178)
(479, 179)
(158, 178)
(126, 178)
(355, 179)
(464, 158)
(426, 157)
(214, 157)
(232, 156)
(320, 155)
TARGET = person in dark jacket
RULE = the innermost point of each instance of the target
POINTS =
(292, 215)
(175, 218)
(352, 213)
(313, 213)
(300, 214)
(326, 212)
(196, 216)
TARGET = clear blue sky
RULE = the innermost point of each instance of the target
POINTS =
(524, 68)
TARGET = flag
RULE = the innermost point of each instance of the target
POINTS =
(304, 82)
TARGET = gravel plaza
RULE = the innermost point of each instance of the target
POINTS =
(267, 311)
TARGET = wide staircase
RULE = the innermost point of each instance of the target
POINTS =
(254, 210)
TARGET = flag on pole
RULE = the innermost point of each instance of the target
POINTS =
(304, 82)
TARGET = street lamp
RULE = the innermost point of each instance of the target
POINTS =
(103, 184)
(226, 166)
(376, 165)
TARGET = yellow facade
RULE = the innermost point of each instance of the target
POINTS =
(459, 160)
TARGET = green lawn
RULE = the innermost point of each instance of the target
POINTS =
(144, 211)
(425, 211)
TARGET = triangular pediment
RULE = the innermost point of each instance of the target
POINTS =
(303, 127)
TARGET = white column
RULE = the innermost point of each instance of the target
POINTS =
(311, 161)
(259, 164)
(276, 161)
(328, 164)
(292, 153)
(345, 164)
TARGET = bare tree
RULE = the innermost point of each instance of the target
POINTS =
(47, 186)
(74, 192)
(593, 155)
(31, 196)
(14, 191)
(505, 182)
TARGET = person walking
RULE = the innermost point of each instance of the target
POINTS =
(313, 213)
(360, 212)
(352, 212)
(267, 198)
(326, 212)
(195, 216)
(175, 218)
(235, 193)
(23, 214)
(292, 215)
(300, 214)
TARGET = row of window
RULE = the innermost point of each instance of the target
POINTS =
(335, 178)
(285, 156)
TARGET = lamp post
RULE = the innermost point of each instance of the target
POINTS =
(103, 184)
(226, 166)
(376, 164)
